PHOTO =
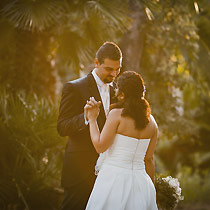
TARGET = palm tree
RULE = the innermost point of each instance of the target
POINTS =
(49, 38)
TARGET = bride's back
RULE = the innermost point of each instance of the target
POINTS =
(127, 127)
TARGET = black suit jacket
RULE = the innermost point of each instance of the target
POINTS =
(80, 155)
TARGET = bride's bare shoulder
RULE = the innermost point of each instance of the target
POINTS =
(153, 123)
(152, 119)
(116, 113)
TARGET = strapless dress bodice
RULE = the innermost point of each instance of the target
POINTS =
(127, 152)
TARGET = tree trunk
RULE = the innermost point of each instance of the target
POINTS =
(132, 43)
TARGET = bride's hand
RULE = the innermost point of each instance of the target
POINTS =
(92, 109)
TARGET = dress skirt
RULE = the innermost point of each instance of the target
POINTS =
(118, 188)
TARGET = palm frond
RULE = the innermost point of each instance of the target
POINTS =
(87, 25)
(31, 151)
(33, 15)
(114, 12)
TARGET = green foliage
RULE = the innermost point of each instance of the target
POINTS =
(42, 40)
(33, 15)
(31, 152)
(174, 64)
(195, 185)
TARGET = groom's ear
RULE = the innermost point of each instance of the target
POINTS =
(96, 62)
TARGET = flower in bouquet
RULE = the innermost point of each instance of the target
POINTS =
(168, 192)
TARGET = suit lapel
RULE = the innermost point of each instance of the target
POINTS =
(93, 89)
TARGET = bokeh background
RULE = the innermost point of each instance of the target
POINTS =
(45, 43)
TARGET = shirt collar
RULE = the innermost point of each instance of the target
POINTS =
(99, 82)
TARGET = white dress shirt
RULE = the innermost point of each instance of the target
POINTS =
(103, 89)
(104, 93)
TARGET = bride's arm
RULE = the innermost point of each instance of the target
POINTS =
(104, 140)
(149, 157)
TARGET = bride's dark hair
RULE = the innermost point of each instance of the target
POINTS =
(134, 104)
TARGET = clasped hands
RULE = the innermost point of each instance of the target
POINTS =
(91, 109)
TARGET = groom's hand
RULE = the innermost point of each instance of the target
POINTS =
(86, 107)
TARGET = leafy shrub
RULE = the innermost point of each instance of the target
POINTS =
(195, 185)
(31, 152)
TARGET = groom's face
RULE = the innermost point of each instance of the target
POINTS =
(108, 70)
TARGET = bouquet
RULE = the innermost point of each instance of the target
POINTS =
(168, 192)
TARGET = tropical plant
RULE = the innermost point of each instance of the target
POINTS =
(43, 39)
(195, 185)
(31, 153)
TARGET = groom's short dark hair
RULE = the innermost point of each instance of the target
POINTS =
(108, 50)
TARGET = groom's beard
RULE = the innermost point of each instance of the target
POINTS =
(108, 79)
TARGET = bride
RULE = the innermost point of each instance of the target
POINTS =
(127, 144)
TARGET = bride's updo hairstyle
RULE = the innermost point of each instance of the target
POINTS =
(134, 105)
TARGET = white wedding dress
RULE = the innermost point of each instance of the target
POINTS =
(122, 182)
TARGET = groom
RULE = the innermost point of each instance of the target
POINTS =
(80, 156)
